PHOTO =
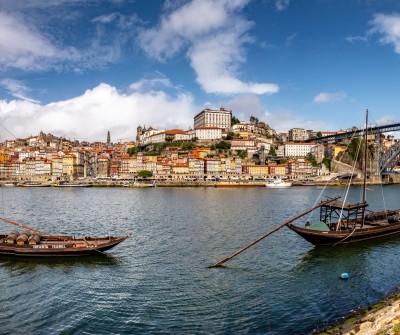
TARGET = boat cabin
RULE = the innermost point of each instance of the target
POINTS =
(339, 215)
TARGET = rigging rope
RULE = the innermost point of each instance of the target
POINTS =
(326, 183)
(348, 189)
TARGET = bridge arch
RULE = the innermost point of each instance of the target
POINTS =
(389, 159)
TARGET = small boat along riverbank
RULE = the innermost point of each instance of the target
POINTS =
(382, 318)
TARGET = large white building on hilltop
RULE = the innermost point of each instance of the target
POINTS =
(213, 118)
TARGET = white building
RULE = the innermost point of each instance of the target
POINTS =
(206, 133)
(298, 149)
(144, 137)
(213, 118)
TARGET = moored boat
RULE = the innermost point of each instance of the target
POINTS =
(342, 222)
(36, 244)
(71, 185)
(278, 183)
(139, 185)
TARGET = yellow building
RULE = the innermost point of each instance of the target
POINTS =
(255, 170)
(278, 169)
(3, 157)
(180, 169)
(68, 163)
(338, 149)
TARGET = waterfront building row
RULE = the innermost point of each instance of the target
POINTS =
(81, 165)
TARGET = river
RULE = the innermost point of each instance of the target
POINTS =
(157, 282)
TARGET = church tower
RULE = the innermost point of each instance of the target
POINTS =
(139, 133)
(108, 139)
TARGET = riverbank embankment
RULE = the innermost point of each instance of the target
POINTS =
(200, 183)
(382, 318)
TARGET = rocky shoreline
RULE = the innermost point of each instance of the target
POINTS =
(382, 318)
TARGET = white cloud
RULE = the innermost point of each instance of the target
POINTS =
(283, 120)
(281, 5)
(353, 39)
(325, 97)
(151, 84)
(17, 89)
(246, 105)
(98, 110)
(214, 35)
(389, 27)
(22, 46)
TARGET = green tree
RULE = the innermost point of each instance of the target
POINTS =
(272, 152)
(145, 174)
(187, 146)
(311, 158)
(253, 120)
(319, 134)
(133, 151)
(223, 145)
(327, 163)
(234, 120)
(241, 153)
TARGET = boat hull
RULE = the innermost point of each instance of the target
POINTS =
(61, 246)
(331, 238)
(283, 185)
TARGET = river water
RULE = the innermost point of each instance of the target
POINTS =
(157, 282)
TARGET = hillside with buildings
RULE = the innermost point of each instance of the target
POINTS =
(218, 147)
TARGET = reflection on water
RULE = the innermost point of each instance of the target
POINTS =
(157, 281)
(27, 264)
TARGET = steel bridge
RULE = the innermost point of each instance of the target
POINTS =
(386, 161)
(350, 134)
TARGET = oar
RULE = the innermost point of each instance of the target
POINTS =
(270, 232)
(22, 226)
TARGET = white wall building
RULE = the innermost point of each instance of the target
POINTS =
(298, 149)
(213, 118)
(206, 133)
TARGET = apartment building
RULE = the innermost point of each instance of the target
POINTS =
(297, 134)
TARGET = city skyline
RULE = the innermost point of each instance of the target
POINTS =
(80, 68)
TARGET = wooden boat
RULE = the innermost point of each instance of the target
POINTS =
(139, 185)
(71, 185)
(341, 222)
(35, 244)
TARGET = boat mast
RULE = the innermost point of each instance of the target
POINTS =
(364, 197)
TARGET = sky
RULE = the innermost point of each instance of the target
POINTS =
(81, 68)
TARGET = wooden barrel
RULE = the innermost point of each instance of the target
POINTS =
(10, 239)
(23, 238)
(34, 238)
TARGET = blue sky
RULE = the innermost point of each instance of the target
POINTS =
(78, 68)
